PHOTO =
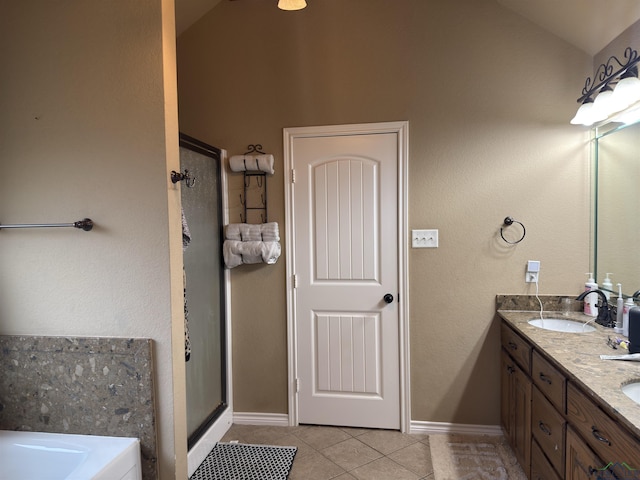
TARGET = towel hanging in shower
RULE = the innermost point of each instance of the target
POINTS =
(186, 239)
(187, 339)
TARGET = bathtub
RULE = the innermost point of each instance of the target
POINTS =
(59, 456)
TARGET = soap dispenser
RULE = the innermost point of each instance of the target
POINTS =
(607, 286)
(591, 301)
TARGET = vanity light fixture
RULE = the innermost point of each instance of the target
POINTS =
(614, 91)
(291, 4)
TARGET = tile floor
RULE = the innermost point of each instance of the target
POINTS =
(341, 453)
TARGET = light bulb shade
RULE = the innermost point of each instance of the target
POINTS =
(584, 114)
(627, 92)
(291, 4)
(603, 106)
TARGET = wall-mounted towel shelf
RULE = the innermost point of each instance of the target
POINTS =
(255, 164)
(255, 197)
(84, 224)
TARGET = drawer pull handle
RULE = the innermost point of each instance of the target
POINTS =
(599, 437)
(513, 346)
(544, 428)
(544, 378)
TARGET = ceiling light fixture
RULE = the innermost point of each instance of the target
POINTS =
(291, 4)
(614, 92)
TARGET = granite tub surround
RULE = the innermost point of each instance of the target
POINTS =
(91, 386)
(578, 355)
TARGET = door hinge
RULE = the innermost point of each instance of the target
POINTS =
(295, 281)
(293, 175)
(297, 385)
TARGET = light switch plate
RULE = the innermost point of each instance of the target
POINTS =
(424, 238)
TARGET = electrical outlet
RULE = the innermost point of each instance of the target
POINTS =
(424, 238)
(533, 271)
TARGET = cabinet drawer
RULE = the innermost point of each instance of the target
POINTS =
(517, 347)
(607, 439)
(548, 428)
(548, 380)
(541, 469)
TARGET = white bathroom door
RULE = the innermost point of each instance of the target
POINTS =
(345, 203)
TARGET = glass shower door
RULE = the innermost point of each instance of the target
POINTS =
(204, 286)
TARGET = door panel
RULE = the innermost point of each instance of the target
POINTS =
(346, 260)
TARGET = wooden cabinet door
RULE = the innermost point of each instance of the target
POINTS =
(515, 410)
(521, 439)
(507, 370)
(581, 462)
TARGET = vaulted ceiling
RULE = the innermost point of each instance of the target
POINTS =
(588, 24)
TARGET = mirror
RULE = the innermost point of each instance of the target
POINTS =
(617, 206)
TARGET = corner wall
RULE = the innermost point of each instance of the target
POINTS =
(88, 130)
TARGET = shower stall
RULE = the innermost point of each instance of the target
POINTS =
(204, 286)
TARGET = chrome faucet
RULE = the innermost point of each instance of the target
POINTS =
(604, 309)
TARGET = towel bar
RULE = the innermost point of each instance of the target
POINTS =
(85, 224)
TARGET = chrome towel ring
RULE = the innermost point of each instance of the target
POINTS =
(510, 221)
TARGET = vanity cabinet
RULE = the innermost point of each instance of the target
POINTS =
(516, 387)
(605, 437)
(556, 430)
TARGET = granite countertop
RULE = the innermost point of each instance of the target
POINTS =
(579, 355)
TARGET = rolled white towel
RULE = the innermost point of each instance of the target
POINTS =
(270, 252)
(232, 231)
(270, 232)
(250, 232)
(252, 163)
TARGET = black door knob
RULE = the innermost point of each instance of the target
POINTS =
(388, 298)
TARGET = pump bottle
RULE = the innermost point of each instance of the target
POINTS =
(591, 301)
(619, 328)
(607, 286)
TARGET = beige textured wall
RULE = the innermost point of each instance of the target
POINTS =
(84, 91)
(488, 96)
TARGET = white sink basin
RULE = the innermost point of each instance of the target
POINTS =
(562, 325)
(632, 390)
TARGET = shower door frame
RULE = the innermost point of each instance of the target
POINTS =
(220, 419)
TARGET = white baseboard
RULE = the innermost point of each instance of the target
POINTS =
(273, 419)
(431, 428)
(418, 427)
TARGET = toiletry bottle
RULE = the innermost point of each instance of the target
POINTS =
(591, 301)
(628, 305)
(607, 286)
(619, 309)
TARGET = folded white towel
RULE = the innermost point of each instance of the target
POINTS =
(252, 163)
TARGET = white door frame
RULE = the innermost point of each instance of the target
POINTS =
(402, 131)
